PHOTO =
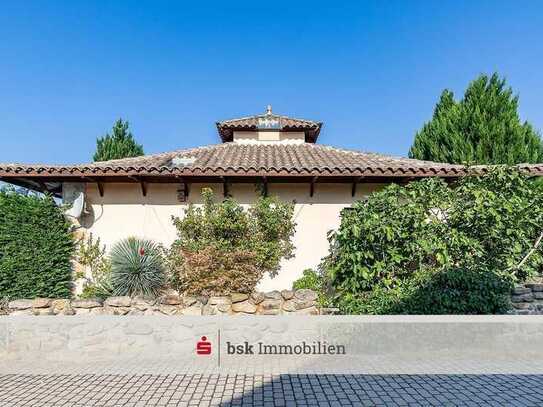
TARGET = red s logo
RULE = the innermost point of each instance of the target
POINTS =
(203, 347)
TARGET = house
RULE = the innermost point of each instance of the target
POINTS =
(137, 196)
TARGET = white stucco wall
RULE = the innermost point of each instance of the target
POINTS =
(123, 211)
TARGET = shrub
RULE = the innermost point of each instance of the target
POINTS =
(246, 244)
(92, 254)
(36, 247)
(444, 291)
(137, 268)
(316, 281)
(428, 248)
(310, 280)
(214, 271)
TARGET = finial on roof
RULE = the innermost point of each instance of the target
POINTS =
(269, 109)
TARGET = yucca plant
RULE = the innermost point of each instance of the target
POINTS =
(137, 267)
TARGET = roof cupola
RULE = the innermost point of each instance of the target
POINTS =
(269, 127)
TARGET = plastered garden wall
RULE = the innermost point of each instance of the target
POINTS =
(293, 344)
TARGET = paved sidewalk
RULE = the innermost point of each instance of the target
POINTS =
(262, 390)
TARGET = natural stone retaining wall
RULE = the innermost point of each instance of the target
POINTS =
(299, 302)
(528, 299)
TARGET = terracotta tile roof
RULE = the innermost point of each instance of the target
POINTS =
(256, 159)
(269, 120)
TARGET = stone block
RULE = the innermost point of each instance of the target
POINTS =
(245, 306)
(171, 299)
(287, 294)
(219, 300)
(209, 309)
(142, 303)
(189, 300)
(224, 308)
(170, 309)
(273, 295)
(123, 301)
(68, 310)
(41, 303)
(114, 310)
(87, 303)
(523, 297)
(538, 295)
(520, 290)
(535, 287)
(289, 306)
(301, 304)
(329, 311)
(20, 304)
(195, 309)
(257, 297)
(238, 297)
(305, 294)
(269, 304)
(59, 305)
(522, 305)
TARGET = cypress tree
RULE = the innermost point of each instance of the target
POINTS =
(120, 144)
(482, 128)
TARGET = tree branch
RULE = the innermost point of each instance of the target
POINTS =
(532, 250)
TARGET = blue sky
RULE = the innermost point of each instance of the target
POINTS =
(371, 71)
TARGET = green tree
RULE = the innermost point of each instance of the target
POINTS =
(120, 144)
(482, 128)
(426, 248)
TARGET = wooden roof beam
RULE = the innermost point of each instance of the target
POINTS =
(356, 180)
(99, 184)
(225, 190)
(312, 186)
(142, 182)
(265, 186)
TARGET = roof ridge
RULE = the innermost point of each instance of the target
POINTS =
(388, 156)
(264, 115)
(231, 159)
(154, 155)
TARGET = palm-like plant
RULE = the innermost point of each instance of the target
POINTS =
(137, 267)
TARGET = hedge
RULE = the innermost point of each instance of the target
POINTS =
(36, 247)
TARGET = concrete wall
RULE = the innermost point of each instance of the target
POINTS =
(123, 211)
(372, 345)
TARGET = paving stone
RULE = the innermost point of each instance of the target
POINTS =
(269, 390)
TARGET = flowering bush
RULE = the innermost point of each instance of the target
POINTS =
(222, 247)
